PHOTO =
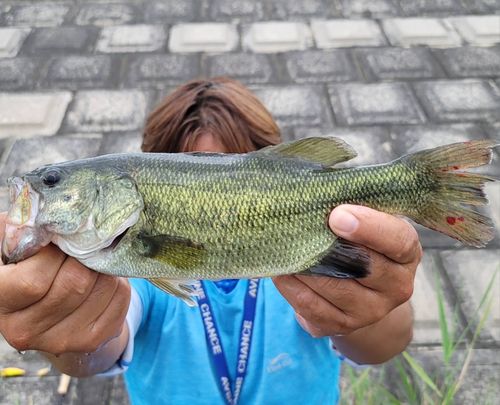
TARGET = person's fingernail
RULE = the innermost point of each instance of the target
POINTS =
(344, 221)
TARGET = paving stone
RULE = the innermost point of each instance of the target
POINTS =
(4, 206)
(426, 327)
(82, 72)
(203, 37)
(107, 111)
(19, 73)
(322, 66)
(106, 14)
(299, 9)
(483, 6)
(470, 272)
(28, 114)
(11, 40)
(384, 103)
(276, 36)
(131, 38)
(60, 40)
(432, 7)
(236, 10)
(37, 15)
(479, 30)
(346, 33)
(368, 8)
(129, 142)
(470, 61)
(162, 70)
(169, 11)
(466, 100)
(295, 105)
(399, 63)
(28, 154)
(119, 393)
(42, 391)
(371, 143)
(248, 68)
(420, 31)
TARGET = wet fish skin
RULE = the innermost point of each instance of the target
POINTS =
(265, 213)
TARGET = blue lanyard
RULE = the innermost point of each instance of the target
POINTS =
(215, 344)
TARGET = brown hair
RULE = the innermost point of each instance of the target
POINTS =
(219, 106)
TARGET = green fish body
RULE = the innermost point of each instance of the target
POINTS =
(172, 218)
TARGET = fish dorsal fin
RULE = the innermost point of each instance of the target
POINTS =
(324, 150)
(175, 251)
(178, 288)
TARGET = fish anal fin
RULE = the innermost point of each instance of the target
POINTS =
(178, 252)
(343, 260)
(324, 150)
(177, 288)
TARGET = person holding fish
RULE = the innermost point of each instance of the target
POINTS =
(304, 273)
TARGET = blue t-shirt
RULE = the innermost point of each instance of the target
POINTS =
(172, 363)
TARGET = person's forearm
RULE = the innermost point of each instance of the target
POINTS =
(83, 365)
(381, 341)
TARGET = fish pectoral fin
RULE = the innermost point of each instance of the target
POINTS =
(343, 260)
(326, 150)
(178, 288)
(178, 252)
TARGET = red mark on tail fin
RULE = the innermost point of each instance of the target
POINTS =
(461, 219)
(451, 220)
(467, 143)
(456, 167)
(445, 170)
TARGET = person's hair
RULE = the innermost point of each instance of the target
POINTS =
(219, 106)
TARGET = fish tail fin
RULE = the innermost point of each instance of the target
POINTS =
(442, 208)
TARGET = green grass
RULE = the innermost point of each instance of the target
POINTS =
(416, 386)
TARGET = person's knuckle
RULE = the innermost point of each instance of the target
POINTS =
(409, 242)
(405, 292)
(305, 299)
(32, 284)
(74, 280)
(345, 324)
(20, 340)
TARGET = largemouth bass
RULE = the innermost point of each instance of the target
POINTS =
(172, 218)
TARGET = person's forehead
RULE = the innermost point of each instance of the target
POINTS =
(206, 142)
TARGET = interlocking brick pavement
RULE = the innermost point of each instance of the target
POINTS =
(79, 77)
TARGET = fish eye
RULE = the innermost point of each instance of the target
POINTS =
(51, 177)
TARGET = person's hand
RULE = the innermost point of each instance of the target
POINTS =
(52, 303)
(328, 306)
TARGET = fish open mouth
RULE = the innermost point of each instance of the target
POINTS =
(23, 238)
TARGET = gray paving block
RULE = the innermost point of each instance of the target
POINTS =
(248, 68)
(470, 61)
(322, 66)
(161, 70)
(11, 40)
(82, 72)
(28, 154)
(119, 394)
(399, 63)
(169, 11)
(276, 36)
(296, 105)
(203, 37)
(301, 10)
(483, 6)
(420, 31)
(372, 144)
(470, 272)
(19, 73)
(60, 40)
(107, 111)
(236, 10)
(426, 328)
(459, 100)
(368, 8)
(4, 206)
(26, 390)
(37, 14)
(368, 104)
(478, 30)
(432, 7)
(346, 33)
(29, 114)
(131, 38)
(128, 142)
(106, 14)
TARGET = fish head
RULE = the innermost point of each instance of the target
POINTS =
(79, 207)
